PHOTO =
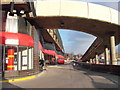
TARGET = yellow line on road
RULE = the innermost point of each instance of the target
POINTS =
(21, 79)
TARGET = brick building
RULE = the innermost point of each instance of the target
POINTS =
(22, 42)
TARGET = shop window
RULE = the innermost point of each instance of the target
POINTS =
(17, 58)
(24, 26)
(11, 60)
(23, 57)
(30, 65)
(12, 23)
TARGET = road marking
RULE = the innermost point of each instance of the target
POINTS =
(21, 79)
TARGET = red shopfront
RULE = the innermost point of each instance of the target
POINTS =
(16, 40)
(49, 55)
(17, 51)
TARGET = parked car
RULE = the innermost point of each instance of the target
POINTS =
(60, 61)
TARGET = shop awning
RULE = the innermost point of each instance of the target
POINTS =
(60, 57)
(49, 52)
(16, 39)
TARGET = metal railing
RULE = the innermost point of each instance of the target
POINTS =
(113, 69)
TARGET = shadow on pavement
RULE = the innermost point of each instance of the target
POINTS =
(7, 86)
(113, 78)
(104, 85)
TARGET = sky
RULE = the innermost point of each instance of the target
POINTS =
(78, 42)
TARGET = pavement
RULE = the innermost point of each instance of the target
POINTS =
(66, 76)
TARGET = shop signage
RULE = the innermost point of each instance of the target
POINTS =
(12, 41)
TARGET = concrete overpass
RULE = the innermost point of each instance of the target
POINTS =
(94, 19)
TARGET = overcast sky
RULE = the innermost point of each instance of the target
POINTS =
(78, 42)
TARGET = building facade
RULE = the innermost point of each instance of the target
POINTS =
(22, 43)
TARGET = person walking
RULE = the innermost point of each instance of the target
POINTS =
(41, 64)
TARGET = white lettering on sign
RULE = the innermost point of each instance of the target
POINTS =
(12, 41)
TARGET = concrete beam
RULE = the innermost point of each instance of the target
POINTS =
(96, 59)
(91, 61)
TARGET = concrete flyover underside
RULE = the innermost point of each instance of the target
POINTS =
(94, 19)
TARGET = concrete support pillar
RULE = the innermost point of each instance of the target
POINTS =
(91, 61)
(113, 59)
(96, 59)
(106, 56)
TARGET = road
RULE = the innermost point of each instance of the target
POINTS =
(65, 76)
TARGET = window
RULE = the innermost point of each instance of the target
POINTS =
(24, 26)
(12, 23)
(30, 66)
(11, 58)
(17, 57)
(16, 24)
